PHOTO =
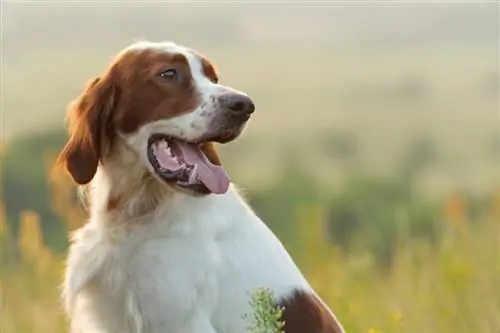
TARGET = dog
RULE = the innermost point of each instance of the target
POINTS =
(170, 245)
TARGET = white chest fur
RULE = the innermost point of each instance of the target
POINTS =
(187, 268)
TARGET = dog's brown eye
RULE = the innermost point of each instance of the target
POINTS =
(169, 74)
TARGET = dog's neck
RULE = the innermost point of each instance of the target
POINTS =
(123, 191)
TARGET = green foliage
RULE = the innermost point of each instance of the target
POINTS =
(266, 316)
(373, 213)
(420, 154)
(24, 183)
(342, 146)
(276, 205)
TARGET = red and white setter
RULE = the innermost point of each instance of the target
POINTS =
(170, 245)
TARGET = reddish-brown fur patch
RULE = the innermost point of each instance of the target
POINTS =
(147, 96)
(113, 203)
(208, 68)
(89, 132)
(129, 94)
(305, 313)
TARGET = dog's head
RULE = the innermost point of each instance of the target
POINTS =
(162, 102)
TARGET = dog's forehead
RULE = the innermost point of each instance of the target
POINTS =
(167, 47)
(198, 63)
(200, 66)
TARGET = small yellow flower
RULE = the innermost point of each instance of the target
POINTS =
(396, 317)
(374, 330)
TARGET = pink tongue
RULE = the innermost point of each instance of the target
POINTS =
(212, 176)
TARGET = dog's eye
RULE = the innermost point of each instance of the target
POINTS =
(169, 74)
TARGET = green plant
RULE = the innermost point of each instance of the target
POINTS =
(266, 315)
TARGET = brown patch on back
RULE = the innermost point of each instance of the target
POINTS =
(305, 313)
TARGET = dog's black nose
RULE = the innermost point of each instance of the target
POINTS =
(238, 104)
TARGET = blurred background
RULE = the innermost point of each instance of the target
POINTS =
(373, 155)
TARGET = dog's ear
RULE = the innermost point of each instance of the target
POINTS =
(212, 155)
(90, 130)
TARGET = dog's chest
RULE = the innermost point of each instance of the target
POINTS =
(195, 265)
(150, 282)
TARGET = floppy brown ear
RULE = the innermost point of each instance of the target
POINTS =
(212, 155)
(90, 130)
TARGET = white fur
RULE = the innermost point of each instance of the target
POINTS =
(167, 261)
(186, 267)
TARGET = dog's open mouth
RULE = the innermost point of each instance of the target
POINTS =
(186, 164)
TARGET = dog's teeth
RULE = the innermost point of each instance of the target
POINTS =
(168, 151)
(163, 144)
(192, 176)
